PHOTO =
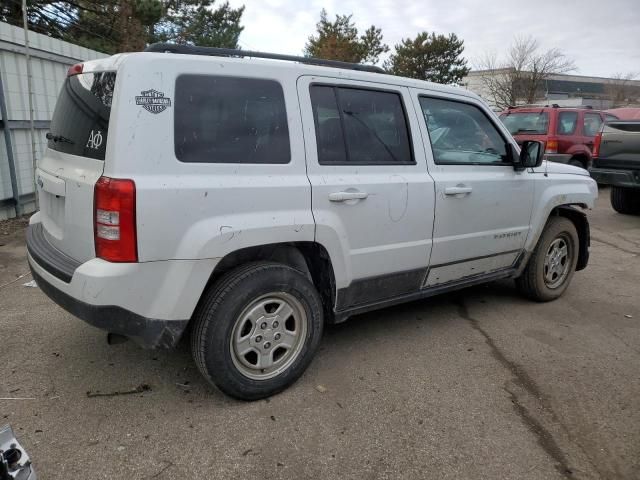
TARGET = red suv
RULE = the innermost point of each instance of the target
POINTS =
(568, 133)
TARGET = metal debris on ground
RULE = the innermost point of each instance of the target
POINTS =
(143, 387)
(31, 284)
(14, 460)
(321, 388)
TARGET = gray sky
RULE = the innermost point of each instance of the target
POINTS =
(601, 36)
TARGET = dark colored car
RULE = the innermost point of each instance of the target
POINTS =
(616, 162)
(568, 133)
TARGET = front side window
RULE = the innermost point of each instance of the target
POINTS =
(591, 124)
(567, 122)
(461, 133)
(230, 120)
(360, 126)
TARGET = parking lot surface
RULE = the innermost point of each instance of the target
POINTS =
(477, 384)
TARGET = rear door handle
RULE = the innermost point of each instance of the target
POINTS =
(344, 196)
(457, 190)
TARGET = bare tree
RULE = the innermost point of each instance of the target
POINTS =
(521, 74)
(620, 90)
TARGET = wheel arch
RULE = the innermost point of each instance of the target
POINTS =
(580, 221)
(310, 258)
(583, 157)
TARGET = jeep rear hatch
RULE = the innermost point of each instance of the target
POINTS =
(74, 160)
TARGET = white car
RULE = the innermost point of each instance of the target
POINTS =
(259, 199)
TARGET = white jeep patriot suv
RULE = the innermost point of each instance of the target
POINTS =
(258, 199)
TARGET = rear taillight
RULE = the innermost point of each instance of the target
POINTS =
(75, 69)
(552, 146)
(596, 145)
(114, 216)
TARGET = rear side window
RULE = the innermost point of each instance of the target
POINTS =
(591, 124)
(526, 123)
(230, 120)
(80, 121)
(360, 126)
(567, 122)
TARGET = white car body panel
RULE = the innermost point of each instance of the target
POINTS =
(167, 290)
(394, 221)
(490, 222)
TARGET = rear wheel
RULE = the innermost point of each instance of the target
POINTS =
(257, 330)
(577, 163)
(553, 262)
(625, 200)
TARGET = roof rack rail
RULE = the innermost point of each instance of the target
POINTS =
(527, 105)
(232, 52)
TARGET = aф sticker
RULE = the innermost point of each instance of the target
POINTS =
(95, 140)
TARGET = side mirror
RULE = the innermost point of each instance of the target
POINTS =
(531, 155)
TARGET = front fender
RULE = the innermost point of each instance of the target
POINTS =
(555, 191)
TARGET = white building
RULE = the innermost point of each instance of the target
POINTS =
(566, 90)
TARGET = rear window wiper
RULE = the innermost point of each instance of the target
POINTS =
(59, 138)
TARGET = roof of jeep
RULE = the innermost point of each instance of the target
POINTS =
(116, 61)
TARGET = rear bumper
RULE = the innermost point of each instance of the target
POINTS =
(616, 177)
(147, 332)
(150, 302)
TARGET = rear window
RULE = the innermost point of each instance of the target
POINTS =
(360, 126)
(526, 123)
(80, 121)
(230, 120)
(567, 122)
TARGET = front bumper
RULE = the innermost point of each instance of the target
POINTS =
(616, 177)
(149, 302)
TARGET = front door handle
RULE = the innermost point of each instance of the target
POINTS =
(344, 196)
(457, 190)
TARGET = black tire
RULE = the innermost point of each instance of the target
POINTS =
(625, 200)
(217, 317)
(577, 163)
(532, 282)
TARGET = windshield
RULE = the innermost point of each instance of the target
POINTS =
(80, 121)
(528, 123)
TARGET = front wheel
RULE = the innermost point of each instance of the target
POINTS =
(257, 330)
(552, 263)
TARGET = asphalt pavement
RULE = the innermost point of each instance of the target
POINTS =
(477, 384)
